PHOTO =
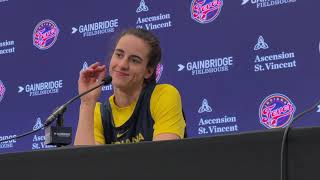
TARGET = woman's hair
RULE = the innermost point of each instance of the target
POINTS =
(155, 49)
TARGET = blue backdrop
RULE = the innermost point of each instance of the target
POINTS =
(240, 65)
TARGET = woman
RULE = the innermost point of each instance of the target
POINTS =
(139, 109)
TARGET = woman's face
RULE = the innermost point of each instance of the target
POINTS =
(128, 65)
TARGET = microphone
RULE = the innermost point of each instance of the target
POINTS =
(59, 135)
(58, 114)
(62, 109)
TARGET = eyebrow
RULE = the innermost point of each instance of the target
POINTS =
(120, 50)
(134, 56)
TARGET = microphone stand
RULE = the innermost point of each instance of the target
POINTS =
(59, 135)
(284, 144)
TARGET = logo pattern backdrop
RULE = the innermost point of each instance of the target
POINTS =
(276, 111)
(205, 11)
(45, 34)
(2, 90)
(227, 59)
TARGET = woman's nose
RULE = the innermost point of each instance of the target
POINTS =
(124, 64)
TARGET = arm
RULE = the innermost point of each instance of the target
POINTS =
(84, 134)
(166, 110)
(166, 136)
(87, 80)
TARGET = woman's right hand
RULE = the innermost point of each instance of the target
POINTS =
(89, 78)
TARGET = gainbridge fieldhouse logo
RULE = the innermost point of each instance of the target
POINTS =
(267, 3)
(276, 111)
(2, 90)
(208, 65)
(7, 144)
(45, 34)
(96, 28)
(205, 11)
(41, 88)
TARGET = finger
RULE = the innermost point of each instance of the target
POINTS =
(97, 71)
(94, 65)
(102, 73)
(97, 68)
(86, 73)
(100, 68)
(88, 76)
(93, 72)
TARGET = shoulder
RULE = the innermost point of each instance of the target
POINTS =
(164, 97)
(165, 90)
(166, 111)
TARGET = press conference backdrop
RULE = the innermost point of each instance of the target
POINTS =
(240, 65)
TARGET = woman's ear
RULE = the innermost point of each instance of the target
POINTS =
(149, 72)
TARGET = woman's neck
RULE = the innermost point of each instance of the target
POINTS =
(124, 98)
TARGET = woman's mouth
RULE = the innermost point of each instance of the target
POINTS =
(120, 73)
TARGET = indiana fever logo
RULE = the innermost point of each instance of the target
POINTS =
(205, 11)
(2, 90)
(276, 111)
(159, 72)
(45, 34)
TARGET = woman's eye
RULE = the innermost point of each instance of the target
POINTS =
(118, 55)
(136, 61)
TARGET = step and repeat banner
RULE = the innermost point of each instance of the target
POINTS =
(240, 65)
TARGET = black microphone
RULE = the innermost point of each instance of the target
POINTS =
(62, 109)
(59, 135)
